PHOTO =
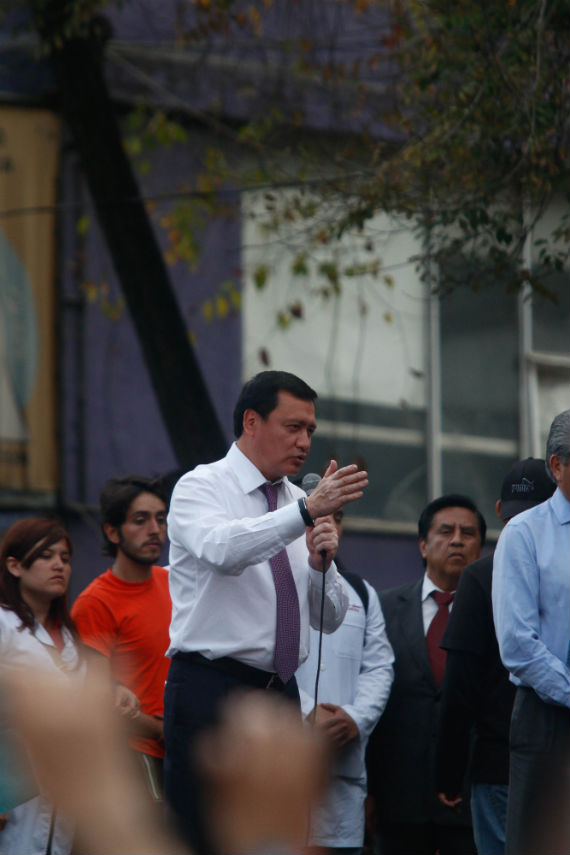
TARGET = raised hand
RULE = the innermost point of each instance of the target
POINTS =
(337, 488)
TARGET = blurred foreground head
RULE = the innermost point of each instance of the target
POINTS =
(263, 766)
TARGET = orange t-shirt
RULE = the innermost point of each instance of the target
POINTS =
(128, 622)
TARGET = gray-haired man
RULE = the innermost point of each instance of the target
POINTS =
(531, 592)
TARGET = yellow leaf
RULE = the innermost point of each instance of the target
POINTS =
(90, 290)
(222, 306)
(83, 224)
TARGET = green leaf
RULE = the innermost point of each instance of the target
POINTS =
(260, 276)
(82, 225)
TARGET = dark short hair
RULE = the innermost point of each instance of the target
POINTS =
(261, 393)
(25, 541)
(117, 496)
(450, 500)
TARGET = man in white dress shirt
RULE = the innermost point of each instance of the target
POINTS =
(247, 553)
(355, 680)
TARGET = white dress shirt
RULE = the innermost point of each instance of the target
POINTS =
(429, 606)
(356, 674)
(221, 583)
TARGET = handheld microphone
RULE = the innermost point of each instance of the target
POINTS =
(309, 482)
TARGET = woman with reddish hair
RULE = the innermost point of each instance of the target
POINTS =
(36, 629)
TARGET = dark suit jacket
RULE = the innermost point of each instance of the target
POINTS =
(401, 751)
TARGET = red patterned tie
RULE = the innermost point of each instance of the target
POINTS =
(288, 619)
(434, 635)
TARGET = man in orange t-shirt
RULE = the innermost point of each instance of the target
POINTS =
(124, 614)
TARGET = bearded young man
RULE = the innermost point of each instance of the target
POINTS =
(124, 614)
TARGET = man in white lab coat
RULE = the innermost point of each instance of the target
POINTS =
(356, 675)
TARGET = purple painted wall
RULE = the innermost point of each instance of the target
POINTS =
(291, 65)
(382, 561)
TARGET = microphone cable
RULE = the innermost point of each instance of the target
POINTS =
(321, 621)
(316, 699)
(309, 482)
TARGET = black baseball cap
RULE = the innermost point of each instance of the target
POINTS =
(525, 485)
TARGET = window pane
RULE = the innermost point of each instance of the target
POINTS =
(551, 318)
(361, 340)
(397, 469)
(553, 397)
(479, 373)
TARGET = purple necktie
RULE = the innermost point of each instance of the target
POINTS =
(436, 655)
(288, 619)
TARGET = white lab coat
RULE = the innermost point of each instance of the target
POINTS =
(356, 674)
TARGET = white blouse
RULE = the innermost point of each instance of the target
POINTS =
(27, 829)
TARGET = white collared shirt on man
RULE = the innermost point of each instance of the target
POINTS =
(429, 605)
(221, 584)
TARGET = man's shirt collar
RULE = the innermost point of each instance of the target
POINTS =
(428, 587)
(560, 506)
(248, 475)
